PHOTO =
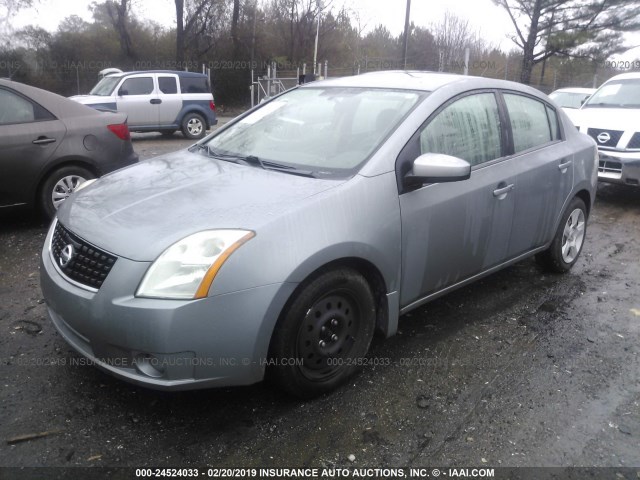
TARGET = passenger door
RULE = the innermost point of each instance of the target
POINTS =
(170, 99)
(453, 231)
(545, 171)
(137, 97)
(29, 135)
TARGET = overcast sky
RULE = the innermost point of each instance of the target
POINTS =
(493, 22)
(483, 14)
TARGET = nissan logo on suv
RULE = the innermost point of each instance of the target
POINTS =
(604, 137)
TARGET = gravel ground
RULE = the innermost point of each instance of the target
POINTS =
(520, 369)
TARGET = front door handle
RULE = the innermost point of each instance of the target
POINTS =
(502, 192)
(155, 101)
(565, 165)
(43, 140)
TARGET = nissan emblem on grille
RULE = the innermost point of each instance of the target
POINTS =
(66, 255)
(604, 137)
(80, 261)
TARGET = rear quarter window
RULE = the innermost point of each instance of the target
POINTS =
(194, 85)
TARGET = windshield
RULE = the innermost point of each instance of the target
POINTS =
(569, 99)
(616, 94)
(329, 131)
(105, 86)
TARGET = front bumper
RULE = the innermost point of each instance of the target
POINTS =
(619, 167)
(164, 344)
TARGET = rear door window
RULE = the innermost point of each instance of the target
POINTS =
(168, 85)
(529, 122)
(16, 109)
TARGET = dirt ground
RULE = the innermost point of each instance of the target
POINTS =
(521, 369)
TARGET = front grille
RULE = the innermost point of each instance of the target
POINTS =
(79, 260)
(609, 166)
(611, 142)
(635, 141)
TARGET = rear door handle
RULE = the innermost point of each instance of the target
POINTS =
(43, 140)
(155, 101)
(565, 165)
(498, 192)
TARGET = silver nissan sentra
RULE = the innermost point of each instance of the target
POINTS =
(282, 241)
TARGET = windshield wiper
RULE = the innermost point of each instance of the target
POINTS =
(255, 161)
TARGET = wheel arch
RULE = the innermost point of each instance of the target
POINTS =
(61, 163)
(585, 196)
(197, 109)
(372, 276)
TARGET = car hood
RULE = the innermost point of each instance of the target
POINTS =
(139, 211)
(607, 118)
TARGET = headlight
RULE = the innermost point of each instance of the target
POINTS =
(187, 268)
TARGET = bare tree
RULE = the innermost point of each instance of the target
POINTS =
(8, 8)
(119, 15)
(451, 36)
(191, 18)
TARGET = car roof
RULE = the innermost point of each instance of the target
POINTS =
(179, 73)
(575, 90)
(626, 76)
(58, 105)
(421, 80)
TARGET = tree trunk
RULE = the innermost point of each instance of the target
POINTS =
(292, 30)
(234, 29)
(119, 21)
(528, 60)
(179, 32)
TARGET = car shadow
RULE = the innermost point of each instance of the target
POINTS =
(618, 195)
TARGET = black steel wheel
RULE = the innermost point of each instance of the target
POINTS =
(323, 336)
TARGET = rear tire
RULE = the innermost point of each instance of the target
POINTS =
(193, 126)
(324, 334)
(567, 244)
(59, 185)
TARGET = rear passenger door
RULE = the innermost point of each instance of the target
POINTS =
(170, 99)
(545, 170)
(137, 97)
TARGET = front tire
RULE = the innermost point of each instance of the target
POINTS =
(567, 244)
(193, 126)
(324, 334)
(59, 185)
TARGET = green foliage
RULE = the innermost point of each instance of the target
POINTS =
(569, 28)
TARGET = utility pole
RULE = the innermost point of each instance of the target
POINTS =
(253, 36)
(406, 35)
(315, 50)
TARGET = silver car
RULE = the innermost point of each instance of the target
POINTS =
(281, 242)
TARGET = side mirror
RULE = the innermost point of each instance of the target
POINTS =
(122, 92)
(437, 168)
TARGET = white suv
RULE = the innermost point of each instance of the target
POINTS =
(612, 118)
(161, 100)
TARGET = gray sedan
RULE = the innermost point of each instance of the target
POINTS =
(279, 244)
(50, 145)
